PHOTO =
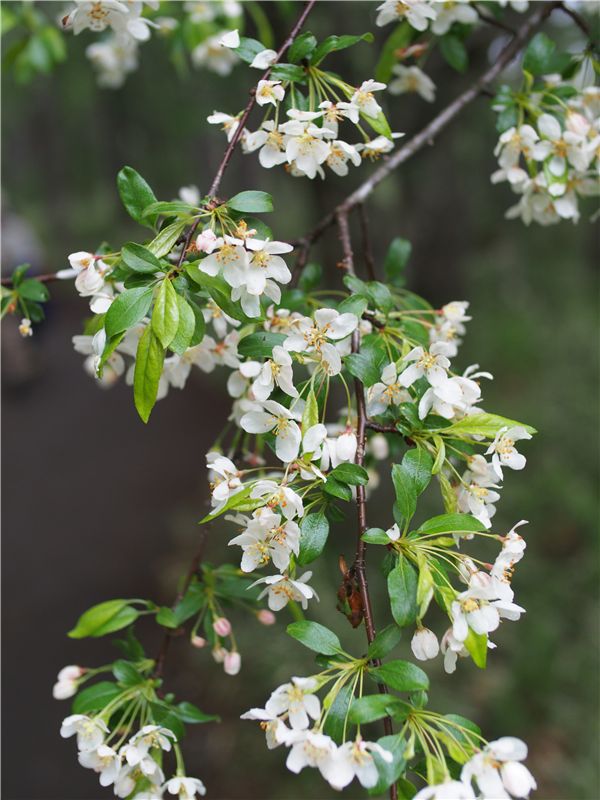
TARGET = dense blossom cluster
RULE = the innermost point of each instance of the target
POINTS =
(116, 54)
(435, 15)
(551, 161)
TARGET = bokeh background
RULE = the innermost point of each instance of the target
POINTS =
(96, 505)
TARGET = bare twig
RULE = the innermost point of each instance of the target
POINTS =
(578, 20)
(46, 277)
(489, 20)
(366, 242)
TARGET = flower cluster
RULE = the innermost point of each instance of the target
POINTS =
(297, 704)
(551, 160)
(134, 768)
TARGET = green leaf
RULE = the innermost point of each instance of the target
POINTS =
(402, 589)
(31, 289)
(418, 464)
(248, 49)
(332, 43)
(425, 585)
(335, 488)
(96, 697)
(191, 714)
(106, 617)
(260, 345)
(310, 277)
(185, 328)
(310, 415)
(127, 309)
(354, 305)
(451, 523)
(166, 716)
(396, 260)
(314, 530)
(302, 47)
(379, 124)
(288, 72)
(384, 642)
(149, 361)
(135, 195)
(366, 366)
(376, 536)
(165, 317)
(251, 202)
(399, 39)
(406, 492)
(440, 456)
(353, 474)
(401, 676)
(476, 644)
(455, 52)
(165, 616)
(199, 324)
(539, 55)
(372, 707)
(482, 424)
(389, 771)
(335, 722)
(219, 291)
(170, 209)
(140, 259)
(165, 240)
(316, 637)
(126, 673)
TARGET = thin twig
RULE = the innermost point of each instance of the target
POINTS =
(46, 277)
(366, 242)
(489, 20)
(359, 567)
(578, 20)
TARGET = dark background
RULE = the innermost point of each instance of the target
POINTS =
(96, 505)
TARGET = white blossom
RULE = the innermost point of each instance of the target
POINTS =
(279, 496)
(264, 59)
(418, 13)
(228, 123)
(211, 54)
(276, 731)
(281, 589)
(412, 79)
(449, 790)
(275, 417)
(354, 759)
(104, 761)
(186, 788)
(89, 730)
(424, 644)
(498, 771)
(448, 13)
(269, 92)
(364, 100)
(264, 261)
(266, 539)
(503, 450)
(296, 701)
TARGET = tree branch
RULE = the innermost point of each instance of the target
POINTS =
(366, 242)
(437, 125)
(489, 20)
(578, 20)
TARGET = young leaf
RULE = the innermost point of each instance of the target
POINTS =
(406, 492)
(332, 43)
(251, 202)
(399, 38)
(389, 771)
(165, 317)
(337, 489)
(353, 474)
(310, 415)
(106, 617)
(365, 366)
(96, 697)
(314, 530)
(126, 673)
(402, 589)
(165, 715)
(185, 328)
(302, 47)
(191, 714)
(455, 52)
(372, 707)
(396, 260)
(376, 536)
(316, 637)
(31, 289)
(199, 324)
(539, 55)
(248, 49)
(127, 309)
(482, 424)
(335, 722)
(148, 369)
(165, 240)
(135, 195)
(476, 644)
(140, 259)
(401, 676)
(384, 642)
(260, 345)
(418, 464)
(451, 523)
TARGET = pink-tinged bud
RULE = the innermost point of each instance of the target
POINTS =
(266, 617)
(232, 663)
(206, 241)
(424, 644)
(222, 626)
(198, 641)
(219, 654)
(62, 690)
(70, 673)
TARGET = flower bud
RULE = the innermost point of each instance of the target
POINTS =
(205, 242)
(424, 644)
(222, 626)
(70, 673)
(64, 689)
(266, 617)
(232, 663)
(219, 654)
(197, 641)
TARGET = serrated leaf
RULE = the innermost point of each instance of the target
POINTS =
(248, 49)
(288, 72)
(376, 536)
(335, 721)
(191, 714)
(149, 361)
(165, 317)
(136, 195)
(389, 771)
(402, 589)
(314, 530)
(406, 493)
(140, 259)
(418, 464)
(539, 55)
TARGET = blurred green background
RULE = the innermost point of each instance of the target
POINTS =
(98, 506)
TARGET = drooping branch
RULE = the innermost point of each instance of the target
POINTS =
(427, 135)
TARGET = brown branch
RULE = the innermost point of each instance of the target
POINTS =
(359, 568)
(46, 277)
(578, 20)
(427, 135)
(366, 242)
(489, 20)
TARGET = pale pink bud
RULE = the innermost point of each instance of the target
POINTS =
(219, 654)
(205, 242)
(232, 663)
(266, 617)
(222, 626)
(64, 689)
(197, 641)
(70, 673)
